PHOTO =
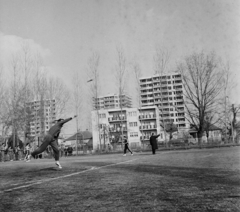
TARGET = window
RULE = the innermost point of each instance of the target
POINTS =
(133, 134)
(102, 115)
(133, 124)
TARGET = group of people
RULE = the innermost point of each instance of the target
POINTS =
(51, 138)
(9, 154)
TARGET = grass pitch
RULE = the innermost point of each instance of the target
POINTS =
(190, 180)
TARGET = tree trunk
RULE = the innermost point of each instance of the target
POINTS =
(199, 136)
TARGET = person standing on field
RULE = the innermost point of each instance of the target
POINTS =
(51, 139)
(153, 142)
(126, 147)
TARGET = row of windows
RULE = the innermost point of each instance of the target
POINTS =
(132, 113)
(133, 134)
(161, 77)
(133, 124)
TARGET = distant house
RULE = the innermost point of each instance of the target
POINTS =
(211, 132)
(83, 138)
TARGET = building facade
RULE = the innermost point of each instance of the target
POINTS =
(166, 92)
(136, 123)
(41, 116)
(112, 101)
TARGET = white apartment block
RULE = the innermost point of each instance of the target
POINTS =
(166, 92)
(42, 115)
(112, 101)
(137, 124)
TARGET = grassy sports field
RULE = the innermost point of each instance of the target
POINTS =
(187, 180)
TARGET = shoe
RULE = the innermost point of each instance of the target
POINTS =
(124, 155)
(132, 154)
(59, 165)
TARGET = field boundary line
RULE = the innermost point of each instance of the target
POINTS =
(68, 175)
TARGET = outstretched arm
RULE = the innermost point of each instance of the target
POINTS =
(66, 120)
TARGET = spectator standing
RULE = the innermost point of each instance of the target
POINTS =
(16, 152)
(3, 152)
(65, 151)
(27, 150)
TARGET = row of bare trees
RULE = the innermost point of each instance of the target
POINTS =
(24, 79)
(207, 84)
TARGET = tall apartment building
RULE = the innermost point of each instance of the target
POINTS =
(137, 124)
(42, 114)
(112, 101)
(166, 92)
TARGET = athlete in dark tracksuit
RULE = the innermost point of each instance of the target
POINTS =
(51, 139)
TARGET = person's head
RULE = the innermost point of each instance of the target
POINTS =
(152, 133)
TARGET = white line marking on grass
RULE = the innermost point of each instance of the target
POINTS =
(64, 176)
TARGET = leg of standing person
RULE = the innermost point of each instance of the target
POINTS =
(54, 145)
(153, 150)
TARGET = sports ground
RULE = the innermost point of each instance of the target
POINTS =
(186, 180)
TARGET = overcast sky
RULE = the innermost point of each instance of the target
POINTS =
(67, 31)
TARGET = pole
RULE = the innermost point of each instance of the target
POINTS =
(77, 135)
(232, 124)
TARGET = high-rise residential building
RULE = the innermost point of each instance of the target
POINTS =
(112, 101)
(41, 116)
(166, 92)
(137, 123)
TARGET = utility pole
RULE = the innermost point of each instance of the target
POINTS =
(77, 135)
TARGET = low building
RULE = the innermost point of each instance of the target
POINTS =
(137, 124)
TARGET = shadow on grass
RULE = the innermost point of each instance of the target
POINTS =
(50, 169)
(206, 175)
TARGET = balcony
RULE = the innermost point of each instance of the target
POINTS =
(149, 116)
(117, 119)
(117, 129)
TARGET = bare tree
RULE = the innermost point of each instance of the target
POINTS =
(120, 74)
(93, 71)
(203, 84)
(137, 75)
(77, 102)
(26, 66)
(161, 62)
(235, 109)
(57, 90)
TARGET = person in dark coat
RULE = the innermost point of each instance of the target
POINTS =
(51, 139)
(153, 142)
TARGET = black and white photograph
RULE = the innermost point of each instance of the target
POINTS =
(119, 105)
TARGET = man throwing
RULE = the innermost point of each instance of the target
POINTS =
(51, 139)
